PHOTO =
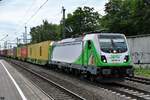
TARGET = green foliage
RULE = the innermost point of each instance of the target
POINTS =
(46, 31)
(142, 72)
(131, 17)
(82, 20)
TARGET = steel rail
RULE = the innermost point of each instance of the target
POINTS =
(72, 94)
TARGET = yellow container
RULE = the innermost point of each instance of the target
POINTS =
(38, 53)
(31, 51)
(18, 52)
(42, 50)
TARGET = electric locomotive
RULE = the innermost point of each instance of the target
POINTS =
(95, 55)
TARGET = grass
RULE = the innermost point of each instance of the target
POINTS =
(145, 72)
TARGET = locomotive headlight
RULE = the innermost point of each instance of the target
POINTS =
(126, 59)
(103, 59)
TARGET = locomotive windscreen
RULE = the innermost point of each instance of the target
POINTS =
(112, 43)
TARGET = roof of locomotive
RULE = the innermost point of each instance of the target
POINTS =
(97, 33)
(86, 35)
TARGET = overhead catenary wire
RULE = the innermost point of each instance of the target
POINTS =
(4, 37)
(28, 10)
(32, 14)
(36, 12)
(24, 16)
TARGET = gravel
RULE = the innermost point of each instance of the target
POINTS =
(81, 87)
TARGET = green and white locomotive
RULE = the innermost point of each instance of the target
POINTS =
(98, 55)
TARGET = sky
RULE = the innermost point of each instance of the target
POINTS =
(15, 13)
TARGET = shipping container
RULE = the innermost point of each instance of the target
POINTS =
(0, 52)
(14, 52)
(38, 53)
(18, 52)
(24, 53)
(4, 53)
(31, 53)
(8, 52)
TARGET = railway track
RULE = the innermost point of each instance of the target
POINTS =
(59, 92)
(122, 90)
(118, 89)
(132, 92)
(139, 80)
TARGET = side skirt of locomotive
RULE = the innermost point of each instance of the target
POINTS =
(94, 72)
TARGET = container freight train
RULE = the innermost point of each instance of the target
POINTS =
(95, 55)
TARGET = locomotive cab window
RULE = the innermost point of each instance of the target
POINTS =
(89, 44)
(111, 43)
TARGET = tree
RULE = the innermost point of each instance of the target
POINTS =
(82, 20)
(127, 16)
(46, 31)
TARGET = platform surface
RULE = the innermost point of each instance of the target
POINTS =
(14, 86)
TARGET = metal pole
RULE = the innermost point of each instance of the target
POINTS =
(63, 32)
(25, 35)
(5, 44)
(17, 41)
